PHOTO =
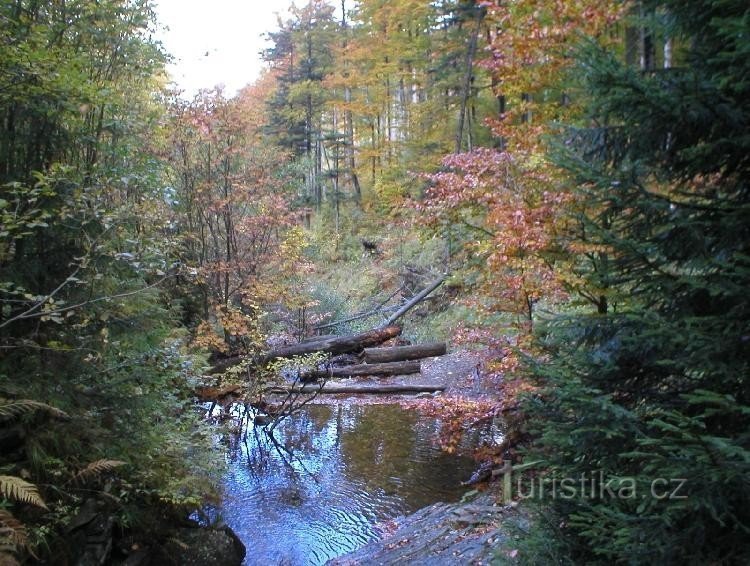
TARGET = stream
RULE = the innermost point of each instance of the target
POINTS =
(331, 477)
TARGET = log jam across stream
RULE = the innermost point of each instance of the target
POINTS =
(333, 479)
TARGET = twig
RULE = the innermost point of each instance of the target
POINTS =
(359, 316)
(30, 314)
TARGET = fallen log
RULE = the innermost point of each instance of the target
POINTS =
(401, 353)
(411, 303)
(331, 345)
(393, 368)
(343, 360)
(359, 388)
(356, 317)
(380, 308)
(337, 344)
(318, 338)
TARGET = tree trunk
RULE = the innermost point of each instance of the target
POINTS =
(355, 317)
(401, 353)
(392, 368)
(668, 51)
(359, 388)
(411, 303)
(309, 339)
(468, 74)
(338, 344)
(335, 345)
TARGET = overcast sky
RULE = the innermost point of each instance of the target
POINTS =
(216, 41)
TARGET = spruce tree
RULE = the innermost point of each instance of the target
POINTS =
(652, 390)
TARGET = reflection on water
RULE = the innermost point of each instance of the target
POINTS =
(329, 475)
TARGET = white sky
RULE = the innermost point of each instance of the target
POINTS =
(216, 41)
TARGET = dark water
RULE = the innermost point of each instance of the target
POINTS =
(330, 477)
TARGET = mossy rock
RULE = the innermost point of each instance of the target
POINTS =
(204, 547)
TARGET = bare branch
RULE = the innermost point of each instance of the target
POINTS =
(30, 313)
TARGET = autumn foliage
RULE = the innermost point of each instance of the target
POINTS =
(233, 204)
(509, 222)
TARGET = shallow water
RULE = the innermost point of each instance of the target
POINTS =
(330, 478)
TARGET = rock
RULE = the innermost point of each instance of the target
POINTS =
(98, 541)
(86, 513)
(262, 420)
(291, 497)
(140, 557)
(202, 547)
(481, 474)
(12, 438)
(90, 534)
(443, 534)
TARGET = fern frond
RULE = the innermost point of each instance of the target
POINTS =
(97, 468)
(13, 487)
(14, 409)
(179, 543)
(13, 534)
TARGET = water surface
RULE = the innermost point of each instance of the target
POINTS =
(331, 477)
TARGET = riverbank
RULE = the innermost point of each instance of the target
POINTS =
(467, 532)
(348, 471)
(472, 531)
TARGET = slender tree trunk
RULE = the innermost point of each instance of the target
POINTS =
(350, 146)
(372, 159)
(526, 115)
(227, 230)
(336, 173)
(668, 50)
(631, 46)
(388, 117)
(468, 74)
(647, 50)
(348, 120)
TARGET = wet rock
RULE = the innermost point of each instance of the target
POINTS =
(89, 534)
(202, 547)
(439, 535)
(262, 420)
(140, 557)
(98, 546)
(482, 474)
(292, 497)
(96, 541)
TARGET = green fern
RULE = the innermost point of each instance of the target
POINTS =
(14, 409)
(7, 559)
(178, 542)
(13, 535)
(97, 468)
(13, 487)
